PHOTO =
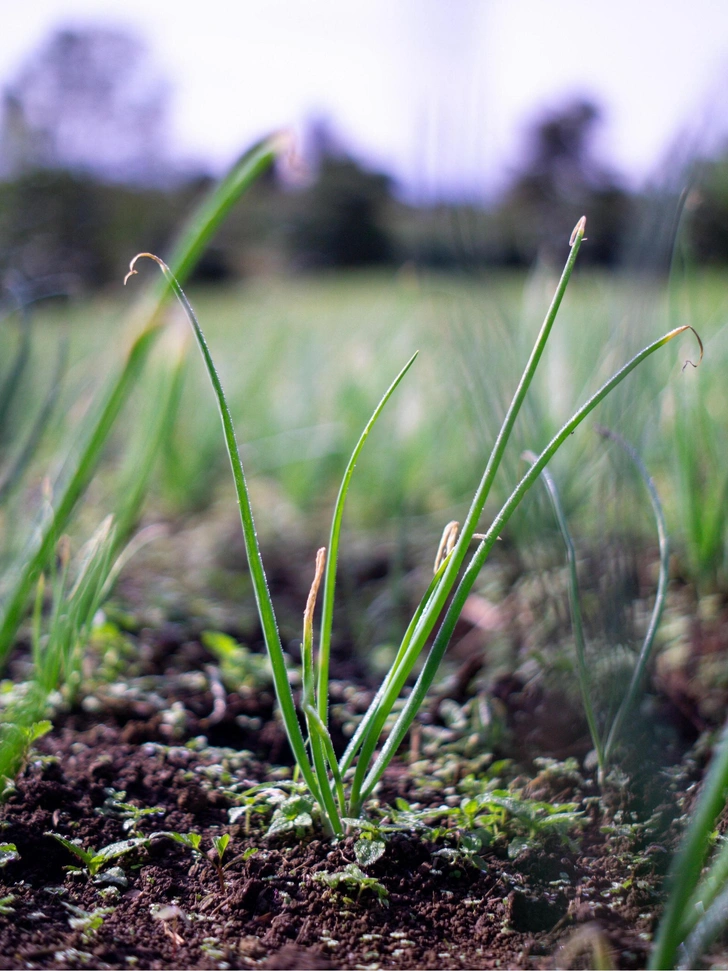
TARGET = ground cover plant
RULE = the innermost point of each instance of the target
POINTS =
(244, 795)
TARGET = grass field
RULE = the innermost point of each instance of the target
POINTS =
(305, 360)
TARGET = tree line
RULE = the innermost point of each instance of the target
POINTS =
(85, 183)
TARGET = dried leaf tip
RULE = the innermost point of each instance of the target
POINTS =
(132, 265)
(579, 231)
(313, 593)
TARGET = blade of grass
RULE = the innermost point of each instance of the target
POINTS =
(427, 675)
(316, 731)
(11, 381)
(12, 476)
(322, 694)
(575, 608)
(142, 462)
(713, 883)
(646, 650)
(365, 724)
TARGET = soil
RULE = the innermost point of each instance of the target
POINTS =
(171, 736)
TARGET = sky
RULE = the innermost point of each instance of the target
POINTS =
(440, 93)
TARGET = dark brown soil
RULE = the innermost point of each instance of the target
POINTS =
(164, 731)
(272, 913)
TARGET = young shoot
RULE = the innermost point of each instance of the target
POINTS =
(340, 787)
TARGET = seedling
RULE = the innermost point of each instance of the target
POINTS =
(354, 877)
(132, 816)
(6, 904)
(93, 860)
(191, 840)
(87, 921)
(214, 856)
(16, 744)
(321, 770)
(293, 815)
(8, 854)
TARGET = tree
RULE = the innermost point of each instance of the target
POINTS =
(560, 181)
(86, 102)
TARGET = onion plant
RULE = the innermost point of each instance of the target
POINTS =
(341, 786)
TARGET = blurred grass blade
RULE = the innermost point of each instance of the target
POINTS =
(13, 475)
(706, 930)
(713, 883)
(12, 380)
(643, 658)
(688, 862)
(322, 695)
(202, 224)
(155, 431)
(575, 608)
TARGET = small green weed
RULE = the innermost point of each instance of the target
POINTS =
(88, 922)
(353, 877)
(115, 806)
(238, 665)
(215, 856)
(93, 860)
(8, 854)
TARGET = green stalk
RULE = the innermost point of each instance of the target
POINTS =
(645, 652)
(255, 561)
(575, 607)
(365, 724)
(333, 555)
(417, 697)
(688, 862)
(454, 563)
(202, 225)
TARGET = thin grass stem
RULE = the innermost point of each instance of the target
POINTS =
(643, 658)
(322, 694)
(575, 608)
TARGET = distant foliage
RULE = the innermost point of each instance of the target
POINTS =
(561, 179)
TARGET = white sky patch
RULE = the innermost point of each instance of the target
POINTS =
(438, 92)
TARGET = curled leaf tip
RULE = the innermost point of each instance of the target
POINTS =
(700, 344)
(578, 231)
(132, 266)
